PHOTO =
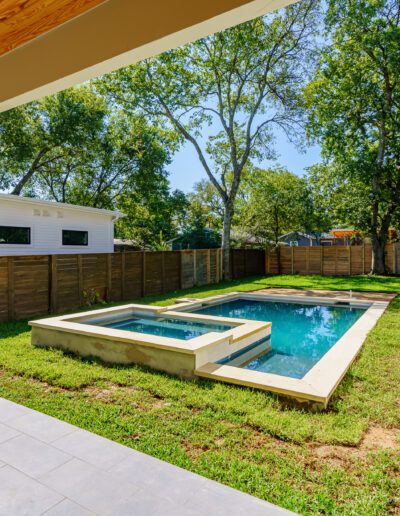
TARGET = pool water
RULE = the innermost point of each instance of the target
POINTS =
(168, 327)
(301, 334)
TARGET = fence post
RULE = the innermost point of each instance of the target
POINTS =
(180, 269)
(194, 267)
(123, 275)
(308, 260)
(11, 289)
(80, 280)
(394, 259)
(163, 271)
(143, 273)
(363, 258)
(109, 277)
(336, 259)
(217, 265)
(209, 266)
(349, 260)
(292, 255)
(322, 260)
(53, 284)
(267, 263)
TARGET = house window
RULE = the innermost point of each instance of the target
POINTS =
(70, 237)
(15, 235)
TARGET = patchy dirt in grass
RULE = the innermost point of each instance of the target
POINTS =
(381, 438)
(105, 395)
(375, 439)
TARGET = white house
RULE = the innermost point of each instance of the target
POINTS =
(31, 226)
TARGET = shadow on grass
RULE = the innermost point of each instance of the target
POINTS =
(13, 328)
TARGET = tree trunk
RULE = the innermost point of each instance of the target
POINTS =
(27, 177)
(378, 255)
(226, 243)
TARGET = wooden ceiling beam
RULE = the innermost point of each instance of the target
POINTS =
(24, 20)
(112, 35)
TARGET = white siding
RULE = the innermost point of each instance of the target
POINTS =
(48, 221)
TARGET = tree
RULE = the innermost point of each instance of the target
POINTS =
(243, 81)
(74, 147)
(277, 202)
(338, 202)
(354, 109)
(36, 137)
(205, 205)
(153, 214)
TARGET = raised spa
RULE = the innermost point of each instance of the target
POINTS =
(167, 326)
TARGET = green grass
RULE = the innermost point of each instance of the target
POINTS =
(312, 463)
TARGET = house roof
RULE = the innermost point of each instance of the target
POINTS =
(39, 202)
(305, 235)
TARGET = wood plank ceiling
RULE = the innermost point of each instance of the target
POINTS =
(24, 20)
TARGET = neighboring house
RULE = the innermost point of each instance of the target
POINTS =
(30, 226)
(339, 236)
(345, 236)
(125, 244)
(299, 239)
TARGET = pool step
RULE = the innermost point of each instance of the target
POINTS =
(286, 386)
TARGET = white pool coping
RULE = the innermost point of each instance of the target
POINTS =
(321, 381)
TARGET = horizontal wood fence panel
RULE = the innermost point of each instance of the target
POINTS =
(36, 285)
(329, 260)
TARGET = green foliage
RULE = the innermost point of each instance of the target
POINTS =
(243, 81)
(309, 463)
(276, 202)
(92, 297)
(75, 147)
(206, 205)
(354, 106)
(338, 201)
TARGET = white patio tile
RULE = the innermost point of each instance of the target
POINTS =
(93, 449)
(42, 427)
(148, 503)
(31, 456)
(7, 433)
(80, 473)
(94, 489)
(68, 508)
(21, 495)
(225, 501)
(10, 410)
(153, 475)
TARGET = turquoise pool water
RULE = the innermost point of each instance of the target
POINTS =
(168, 327)
(301, 334)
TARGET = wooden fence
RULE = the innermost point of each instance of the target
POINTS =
(329, 261)
(37, 285)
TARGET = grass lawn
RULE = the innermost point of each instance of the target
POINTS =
(343, 461)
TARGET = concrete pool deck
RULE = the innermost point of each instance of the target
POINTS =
(49, 467)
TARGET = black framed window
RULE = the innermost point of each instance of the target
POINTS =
(72, 237)
(15, 235)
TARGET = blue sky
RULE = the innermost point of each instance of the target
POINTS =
(185, 169)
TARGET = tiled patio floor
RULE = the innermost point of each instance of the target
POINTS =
(53, 468)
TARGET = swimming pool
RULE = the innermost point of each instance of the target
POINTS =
(301, 333)
(298, 345)
(168, 327)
